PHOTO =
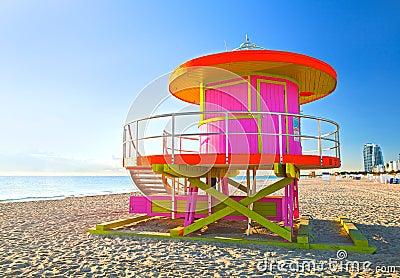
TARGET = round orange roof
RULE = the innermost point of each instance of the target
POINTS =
(316, 79)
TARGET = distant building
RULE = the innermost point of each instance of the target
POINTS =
(378, 169)
(372, 157)
(393, 166)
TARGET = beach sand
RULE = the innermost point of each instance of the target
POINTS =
(50, 238)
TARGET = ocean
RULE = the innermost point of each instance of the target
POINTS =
(30, 188)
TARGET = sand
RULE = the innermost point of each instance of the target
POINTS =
(50, 238)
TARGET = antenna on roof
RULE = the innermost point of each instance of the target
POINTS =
(226, 47)
(248, 45)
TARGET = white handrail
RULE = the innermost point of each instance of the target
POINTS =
(135, 141)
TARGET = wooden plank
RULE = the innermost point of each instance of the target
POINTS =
(304, 230)
(120, 222)
(350, 248)
(356, 236)
(264, 205)
(264, 210)
(243, 209)
(159, 209)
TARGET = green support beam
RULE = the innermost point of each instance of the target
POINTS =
(286, 170)
(279, 170)
(237, 185)
(304, 231)
(292, 171)
(120, 222)
(240, 207)
(356, 236)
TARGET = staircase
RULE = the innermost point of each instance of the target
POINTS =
(148, 182)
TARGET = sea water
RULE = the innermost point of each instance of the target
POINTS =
(29, 188)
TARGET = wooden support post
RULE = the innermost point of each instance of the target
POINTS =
(279, 170)
(173, 205)
(296, 213)
(251, 191)
(292, 171)
(285, 206)
(290, 200)
(290, 208)
(304, 230)
(191, 206)
(209, 198)
(248, 183)
(225, 186)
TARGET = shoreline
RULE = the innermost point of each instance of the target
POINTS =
(33, 188)
(39, 199)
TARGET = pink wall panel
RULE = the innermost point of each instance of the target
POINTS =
(138, 204)
(230, 98)
(235, 98)
(271, 99)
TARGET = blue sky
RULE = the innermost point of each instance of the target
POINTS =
(69, 70)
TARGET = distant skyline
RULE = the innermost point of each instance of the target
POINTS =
(372, 157)
(69, 70)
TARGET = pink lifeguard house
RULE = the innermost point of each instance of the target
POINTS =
(249, 120)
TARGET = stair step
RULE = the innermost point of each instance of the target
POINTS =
(153, 191)
(149, 188)
(137, 169)
(149, 182)
(146, 176)
(143, 171)
(145, 186)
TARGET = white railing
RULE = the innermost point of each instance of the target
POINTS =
(167, 149)
(163, 134)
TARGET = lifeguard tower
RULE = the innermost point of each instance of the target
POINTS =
(248, 121)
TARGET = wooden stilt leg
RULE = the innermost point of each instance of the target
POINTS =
(224, 185)
(248, 194)
(191, 206)
(173, 203)
(209, 197)
(290, 207)
(285, 206)
(296, 213)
